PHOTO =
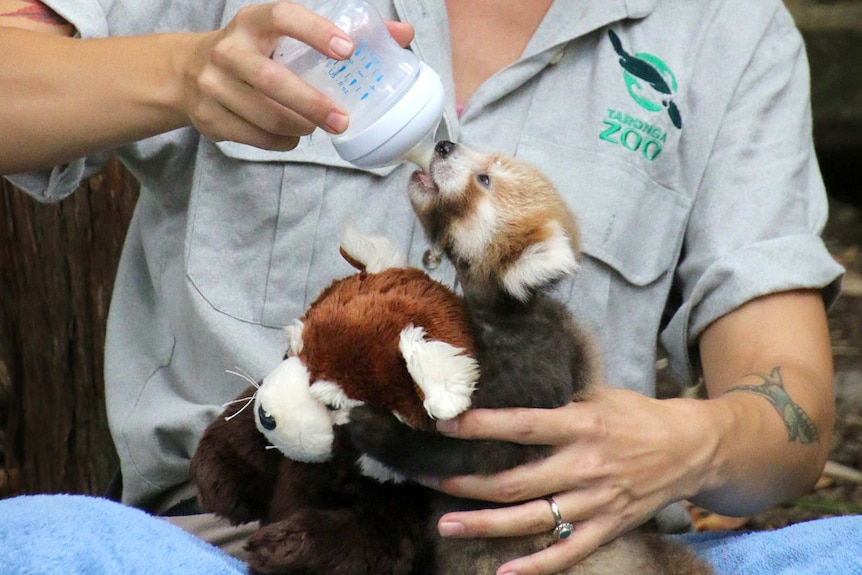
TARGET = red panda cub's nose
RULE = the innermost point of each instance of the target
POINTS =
(444, 148)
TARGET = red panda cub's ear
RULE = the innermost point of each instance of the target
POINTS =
(541, 264)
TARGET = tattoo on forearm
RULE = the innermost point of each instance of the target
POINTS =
(799, 425)
(38, 12)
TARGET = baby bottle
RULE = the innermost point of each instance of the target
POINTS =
(394, 100)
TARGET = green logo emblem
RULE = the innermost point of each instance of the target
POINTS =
(645, 68)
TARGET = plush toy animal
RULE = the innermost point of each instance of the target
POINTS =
(388, 336)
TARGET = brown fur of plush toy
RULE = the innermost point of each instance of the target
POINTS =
(350, 334)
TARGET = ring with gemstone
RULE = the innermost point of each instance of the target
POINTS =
(563, 528)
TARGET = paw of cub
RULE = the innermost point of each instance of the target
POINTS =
(372, 429)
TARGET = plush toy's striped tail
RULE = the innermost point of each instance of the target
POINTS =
(372, 254)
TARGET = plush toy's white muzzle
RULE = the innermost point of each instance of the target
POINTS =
(289, 417)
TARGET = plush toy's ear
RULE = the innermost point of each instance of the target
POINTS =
(443, 372)
(541, 264)
(373, 254)
(293, 333)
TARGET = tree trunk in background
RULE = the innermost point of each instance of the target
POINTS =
(57, 267)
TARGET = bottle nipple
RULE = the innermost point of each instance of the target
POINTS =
(421, 153)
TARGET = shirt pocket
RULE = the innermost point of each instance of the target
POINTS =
(256, 215)
(632, 230)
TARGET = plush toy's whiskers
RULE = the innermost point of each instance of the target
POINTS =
(242, 374)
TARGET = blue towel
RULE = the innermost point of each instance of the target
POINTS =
(78, 535)
(821, 547)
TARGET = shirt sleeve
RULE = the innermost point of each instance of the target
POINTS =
(60, 181)
(90, 21)
(761, 206)
(89, 17)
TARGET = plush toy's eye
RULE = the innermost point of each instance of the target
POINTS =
(484, 179)
(266, 420)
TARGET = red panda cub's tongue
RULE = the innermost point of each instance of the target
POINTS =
(424, 178)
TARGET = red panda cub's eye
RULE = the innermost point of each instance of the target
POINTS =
(484, 179)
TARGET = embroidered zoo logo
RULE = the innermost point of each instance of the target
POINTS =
(652, 85)
(632, 134)
(643, 67)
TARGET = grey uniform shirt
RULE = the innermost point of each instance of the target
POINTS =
(697, 190)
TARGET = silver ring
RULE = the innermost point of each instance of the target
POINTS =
(563, 528)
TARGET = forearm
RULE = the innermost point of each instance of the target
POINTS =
(768, 368)
(65, 98)
(761, 455)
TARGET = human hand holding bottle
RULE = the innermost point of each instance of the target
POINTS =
(235, 91)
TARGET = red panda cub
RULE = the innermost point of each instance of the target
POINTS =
(511, 238)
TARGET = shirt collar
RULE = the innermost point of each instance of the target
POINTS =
(565, 21)
(640, 8)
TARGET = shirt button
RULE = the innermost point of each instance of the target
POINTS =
(558, 55)
(431, 260)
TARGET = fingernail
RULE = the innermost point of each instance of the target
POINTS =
(342, 47)
(336, 122)
(447, 425)
(430, 482)
(450, 528)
